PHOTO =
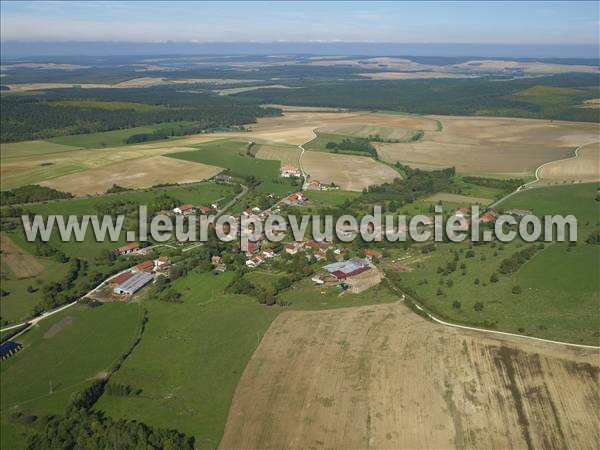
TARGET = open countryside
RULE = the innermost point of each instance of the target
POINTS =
(315, 342)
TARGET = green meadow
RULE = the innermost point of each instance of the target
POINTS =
(557, 296)
(232, 155)
(191, 358)
(61, 356)
(114, 138)
(18, 305)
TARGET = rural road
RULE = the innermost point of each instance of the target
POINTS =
(37, 319)
(503, 333)
(537, 177)
(47, 314)
(233, 201)
(302, 150)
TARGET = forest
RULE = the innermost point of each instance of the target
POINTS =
(449, 96)
(41, 116)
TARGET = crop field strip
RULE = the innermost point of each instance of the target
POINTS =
(353, 378)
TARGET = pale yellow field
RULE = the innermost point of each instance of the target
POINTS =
(381, 377)
(141, 82)
(413, 75)
(17, 260)
(137, 173)
(513, 147)
(29, 148)
(362, 130)
(584, 168)
(232, 91)
(35, 168)
(285, 154)
(351, 173)
(527, 67)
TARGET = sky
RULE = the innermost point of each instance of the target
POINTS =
(403, 22)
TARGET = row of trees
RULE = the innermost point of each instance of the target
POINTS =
(31, 193)
(353, 145)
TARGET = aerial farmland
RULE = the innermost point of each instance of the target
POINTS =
(133, 323)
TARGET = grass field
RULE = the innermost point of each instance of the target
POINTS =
(32, 148)
(364, 131)
(133, 174)
(61, 356)
(191, 358)
(20, 271)
(305, 295)
(559, 297)
(232, 155)
(330, 198)
(114, 138)
(286, 154)
(382, 377)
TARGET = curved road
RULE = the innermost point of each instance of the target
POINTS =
(302, 150)
(537, 175)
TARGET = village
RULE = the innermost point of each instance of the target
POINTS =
(332, 266)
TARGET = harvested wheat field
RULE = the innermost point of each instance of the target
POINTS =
(350, 173)
(298, 127)
(383, 377)
(582, 169)
(364, 131)
(32, 168)
(285, 154)
(501, 146)
(413, 75)
(13, 257)
(137, 173)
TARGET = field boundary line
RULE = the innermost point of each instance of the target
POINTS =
(503, 333)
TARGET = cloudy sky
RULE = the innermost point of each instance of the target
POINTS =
(425, 22)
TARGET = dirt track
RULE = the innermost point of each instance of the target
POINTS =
(382, 377)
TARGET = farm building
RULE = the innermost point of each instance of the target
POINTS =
(133, 283)
(221, 267)
(297, 198)
(489, 216)
(146, 266)
(315, 185)
(9, 348)
(254, 261)
(370, 254)
(288, 171)
(162, 263)
(519, 212)
(344, 269)
(127, 249)
(122, 277)
(186, 209)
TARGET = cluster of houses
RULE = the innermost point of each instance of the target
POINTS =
(130, 281)
(133, 248)
(289, 171)
(295, 199)
(188, 209)
(488, 216)
(256, 255)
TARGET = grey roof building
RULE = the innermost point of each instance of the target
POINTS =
(133, 284)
